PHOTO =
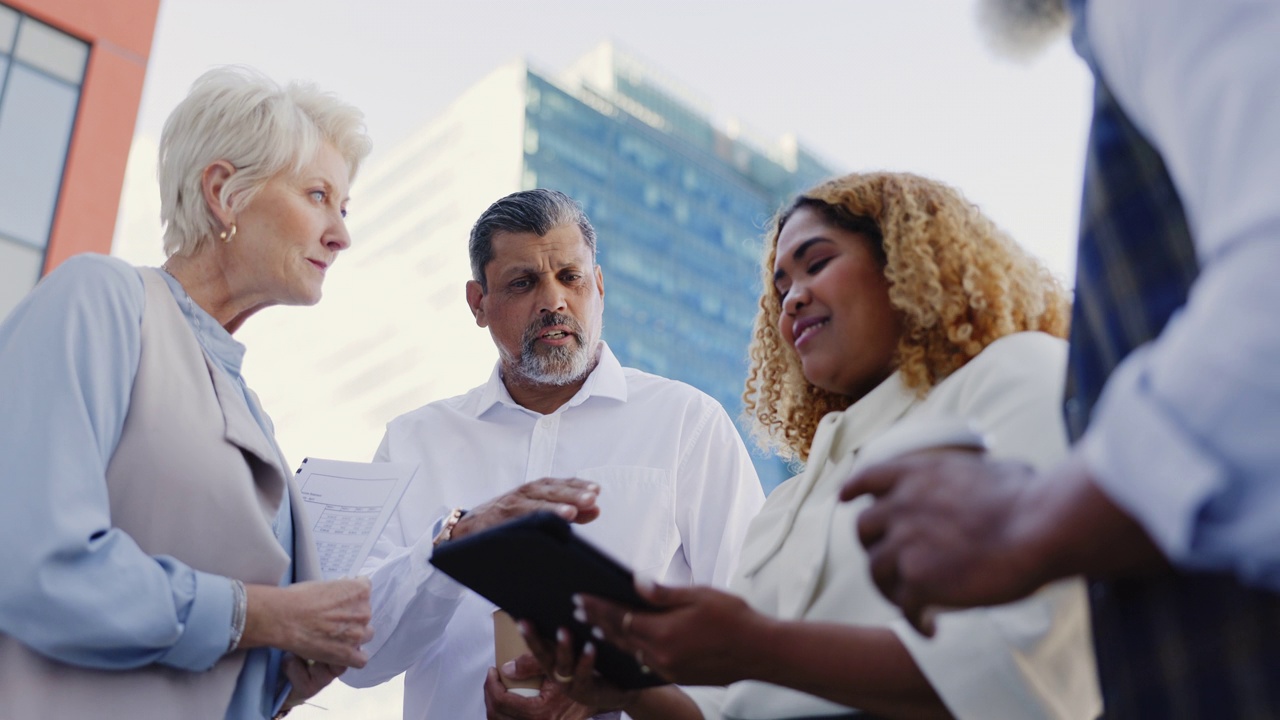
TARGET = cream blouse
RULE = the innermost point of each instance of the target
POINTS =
(802, 559)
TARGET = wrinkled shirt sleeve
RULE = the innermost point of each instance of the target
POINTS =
(718, 493)
(1183, 437)
(412, 603)
(76, 589)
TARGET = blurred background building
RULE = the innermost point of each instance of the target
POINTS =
(679, 206)
(71, 75)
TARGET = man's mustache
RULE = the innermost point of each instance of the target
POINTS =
(535, 329)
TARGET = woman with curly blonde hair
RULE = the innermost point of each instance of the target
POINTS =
(957, 281)
(891, 308)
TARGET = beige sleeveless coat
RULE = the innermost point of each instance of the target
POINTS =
(193, 477)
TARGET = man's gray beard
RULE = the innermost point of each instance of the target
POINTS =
(1020, 29)
(558, 364)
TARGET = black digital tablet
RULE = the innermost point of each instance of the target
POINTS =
(531, 567)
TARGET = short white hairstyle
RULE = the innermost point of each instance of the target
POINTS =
(238, 115)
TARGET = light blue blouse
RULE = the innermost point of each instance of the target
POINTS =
(75, 589)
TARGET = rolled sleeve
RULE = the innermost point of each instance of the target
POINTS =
(1158, 473)
(207, 630)
(1183, 436)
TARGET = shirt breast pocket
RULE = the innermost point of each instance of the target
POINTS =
(637, 523)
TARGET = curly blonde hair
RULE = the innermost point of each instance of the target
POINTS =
(958, 281)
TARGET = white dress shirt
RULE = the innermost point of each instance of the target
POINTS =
(677, 491)
(803, 561)
(1183, 437)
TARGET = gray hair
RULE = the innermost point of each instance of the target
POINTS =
(1021, 29)
(238, 115)
(534, 211)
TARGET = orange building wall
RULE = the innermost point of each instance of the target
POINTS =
(120, 33)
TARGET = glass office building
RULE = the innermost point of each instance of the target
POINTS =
(680, 207)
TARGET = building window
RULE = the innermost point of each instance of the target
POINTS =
(41, 71)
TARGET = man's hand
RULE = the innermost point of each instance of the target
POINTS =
(698, 636)
(942, 531)
(551, 702)
(574, 500)
(326, 621)
(955, 529)
(577, 676)
(307, 679)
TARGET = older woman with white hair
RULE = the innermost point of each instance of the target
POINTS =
(154, 557)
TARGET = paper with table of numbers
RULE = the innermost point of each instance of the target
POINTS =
(347, 505)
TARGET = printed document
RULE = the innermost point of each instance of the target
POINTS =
(348, 504)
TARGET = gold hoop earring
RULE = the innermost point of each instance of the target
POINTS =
(227, 235)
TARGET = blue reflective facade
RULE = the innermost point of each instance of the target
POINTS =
(680, 209)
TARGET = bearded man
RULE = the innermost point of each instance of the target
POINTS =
(658, 462)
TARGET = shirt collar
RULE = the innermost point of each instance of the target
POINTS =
(869, 416)
(225, 350)
(607, 380)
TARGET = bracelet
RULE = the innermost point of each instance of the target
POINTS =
(239, 608)
(446, 529)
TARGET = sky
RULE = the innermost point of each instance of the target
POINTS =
(905, 85)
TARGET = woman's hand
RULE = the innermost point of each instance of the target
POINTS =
(698, 636)
(577, 678)
(325, 621)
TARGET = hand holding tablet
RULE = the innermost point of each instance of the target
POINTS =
(531, 567)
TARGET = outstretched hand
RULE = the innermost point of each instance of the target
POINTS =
(952, 529)
(696, 636)
(572, 499)
(947, 529)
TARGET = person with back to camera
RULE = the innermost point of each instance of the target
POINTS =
(890, 304)
(1169, 498)
(155, 558)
